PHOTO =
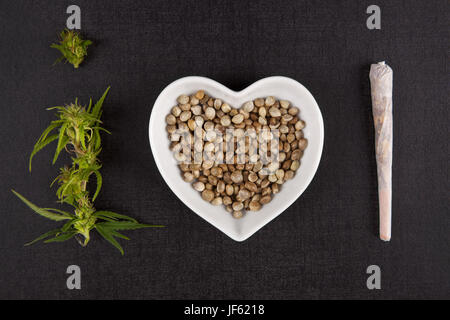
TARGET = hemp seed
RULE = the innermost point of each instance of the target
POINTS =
(242, 181)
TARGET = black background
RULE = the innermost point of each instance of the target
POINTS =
(321, 246)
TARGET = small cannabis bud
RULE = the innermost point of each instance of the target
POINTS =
(79, 134)
(72, 47)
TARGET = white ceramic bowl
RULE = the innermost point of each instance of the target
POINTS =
(280, 88)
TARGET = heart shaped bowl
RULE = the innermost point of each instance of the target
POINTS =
(279, 87)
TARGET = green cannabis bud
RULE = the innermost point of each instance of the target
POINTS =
(77, 131)
(72, 47)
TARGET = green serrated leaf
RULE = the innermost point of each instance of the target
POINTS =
(99, 184)
(46, 132)
(90, 105)
(45, 235)
(65, 140)
(69, 200)
(114, 215)
(105, 218)
(60, 49)
(40, 145)
(98, 139)
(98, 105)
(119, 235)
(127, 225)
(57, 108)
(105, 233)
(67, 214)
(62, 237)
(82, 138)
(67, 226)
(66, 186)
(45, 213)
(62, 141)
(103, 129)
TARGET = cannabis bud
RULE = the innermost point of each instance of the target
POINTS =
(72, 47)
(77, 130)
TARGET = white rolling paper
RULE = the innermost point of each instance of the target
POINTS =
(381, 88)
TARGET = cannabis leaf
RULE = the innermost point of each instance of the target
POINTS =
(109, 236)
(112, 216)
(108, 230)
(62, 236)
(45, 213)
(45, 235)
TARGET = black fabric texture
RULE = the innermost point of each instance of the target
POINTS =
(320, 247)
